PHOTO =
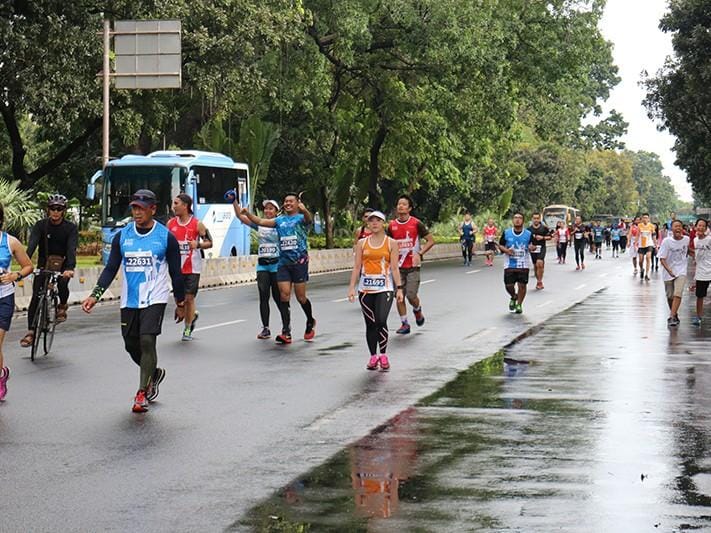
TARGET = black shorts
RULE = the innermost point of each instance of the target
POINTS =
(539, 256)
(192, 283)
(7, 309)
(644, 251)
(598, 243)
(516, 275)
(702, 288)
(490, 247)
(294, 272)
(146, 321)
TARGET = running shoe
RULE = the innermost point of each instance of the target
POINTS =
(310, 332)
(419, 317)
(404, 329)
(641, 274)
(264, 334)
(582, 265)
(673, 321)
(512, 304)
(284, 338)
(187, 334)
(154, 383)
(192, 326)
(373, 363)
(384, 363)
(696, 321)
(140, 404)
(4, 376)
(635, 271)
(646, 277)
(539, 285)
(577, 267)
(519, 309)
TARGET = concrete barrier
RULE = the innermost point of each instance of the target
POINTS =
(219, 271)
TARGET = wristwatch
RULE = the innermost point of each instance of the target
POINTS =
(19, 276)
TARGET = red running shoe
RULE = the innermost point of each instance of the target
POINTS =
(284, 338)
(373, 363)
(384, 363)
(140, 404)
(310, 332)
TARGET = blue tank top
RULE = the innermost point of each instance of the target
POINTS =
(467, 231)
(6, 289)
(146, 280)
(268, 247)
(518, 242)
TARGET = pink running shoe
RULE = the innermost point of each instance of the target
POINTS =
(373, 363)
(384, 363)
(4, 376)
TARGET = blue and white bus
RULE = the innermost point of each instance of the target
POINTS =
(205, 176)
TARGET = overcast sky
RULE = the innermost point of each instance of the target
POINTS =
(633, 27)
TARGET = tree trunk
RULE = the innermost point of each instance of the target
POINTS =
(18, 150)
(374, 199)
(326, 222)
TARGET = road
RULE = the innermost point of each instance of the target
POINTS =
(237, 418)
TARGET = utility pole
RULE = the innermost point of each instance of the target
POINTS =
(107, 82)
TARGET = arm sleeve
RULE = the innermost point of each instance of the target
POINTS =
(34, 239)
(502, 240)
(422, 230)
(172, 256)
(72, 241)
(112, 265)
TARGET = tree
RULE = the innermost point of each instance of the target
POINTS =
(20, 210)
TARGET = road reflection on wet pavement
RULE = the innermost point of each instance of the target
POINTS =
(597, 422)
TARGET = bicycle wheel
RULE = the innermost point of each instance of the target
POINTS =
(51, 323)
(38, 325)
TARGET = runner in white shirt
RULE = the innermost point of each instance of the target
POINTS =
(673, 257)
(702, 258)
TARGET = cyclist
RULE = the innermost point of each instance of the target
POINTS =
(55, 239)
(192, 236)
(267, 262)
(293, 268)
(409, 232)
(375, 270)
(10, 248)
(467, 236)
(148, 254)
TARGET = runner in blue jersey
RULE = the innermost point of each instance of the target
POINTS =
(615, 237)
(149, 256)
(516, 242)
(467, 236)
(598, 235)
(293, 268)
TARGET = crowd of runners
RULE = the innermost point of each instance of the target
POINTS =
(157, 259)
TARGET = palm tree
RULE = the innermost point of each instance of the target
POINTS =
(21, 211)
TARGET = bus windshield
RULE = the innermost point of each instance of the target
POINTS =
(121, 182)
(551, 216)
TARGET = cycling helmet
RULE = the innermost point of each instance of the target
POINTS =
(57, 199)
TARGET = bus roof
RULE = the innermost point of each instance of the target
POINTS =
(180, 158)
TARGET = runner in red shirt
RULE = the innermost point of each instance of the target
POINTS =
(490, 231)
(409, 232)
(192, 236)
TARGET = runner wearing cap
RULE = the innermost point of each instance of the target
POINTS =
(149, 257)
(192, 236)
(374, 270)
(293, 268)
(267, 262)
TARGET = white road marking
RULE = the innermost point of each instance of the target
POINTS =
(545, 303)
(473, 271)
(428, 281)
(220, 325)
(580, 286)
(340, 300)
(602, 276)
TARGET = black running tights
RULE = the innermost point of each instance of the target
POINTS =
(467, 247)
(266, 283)
(376, 307)
(562, 249)
(142, 350)
(580, 251)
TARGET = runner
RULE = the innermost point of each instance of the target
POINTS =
(373, 270)
(598, 235)
(363, 231)
(267, 262)
(646, 243)
(409, 232)
(562, 238)
(10, 248)
(293, 271)
(516, 242)
(490, 231)
(655, 249)
(192, 236)
(673, 256)
(467, 236)
(622, 226)
(580, 235)
(55, 239)
(148, 255)
(615, 238)
(633, 242)
(607, 231)
(540, 234)
(702, 259)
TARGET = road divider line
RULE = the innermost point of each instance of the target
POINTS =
(220, 325)
(428, 281)
(581, 286)
(473, 271)
(545, 304)
(340, 300)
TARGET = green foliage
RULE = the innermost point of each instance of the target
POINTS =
(21, 211)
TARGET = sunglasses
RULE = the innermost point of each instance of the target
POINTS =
(56, 208)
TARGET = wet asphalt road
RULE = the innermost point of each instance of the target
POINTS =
(238, 418)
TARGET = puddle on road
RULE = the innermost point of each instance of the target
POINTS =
(546, 435)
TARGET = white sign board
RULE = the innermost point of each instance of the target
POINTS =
(147, 54)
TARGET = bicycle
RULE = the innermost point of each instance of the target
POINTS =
(46, 314)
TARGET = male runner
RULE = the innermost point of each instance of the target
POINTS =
(673, 257)
(598, 234)
(148, 255)
(580, 235)
(702, 258)
(55, 239)
(467, 236)
(541, 234)
(646, 241)
(615, 238)
(409, 232)
(516, 242)
(490, 231)
(608, 236)
(633, 241)
(192, 236)
(293, 268)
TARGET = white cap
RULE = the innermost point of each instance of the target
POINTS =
(265, 203)
(378, 214)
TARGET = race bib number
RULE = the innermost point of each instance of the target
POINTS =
(288, 243)
(489, 238)
(519, 253)
(537, 249)
(578, 235)
(405, 245)
(374, 282)
(268, 250)
(184, 247)
(138, 261)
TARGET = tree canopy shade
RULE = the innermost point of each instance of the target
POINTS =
(678, 95)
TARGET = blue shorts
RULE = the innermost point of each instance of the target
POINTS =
(294, 272)
(7, 309)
